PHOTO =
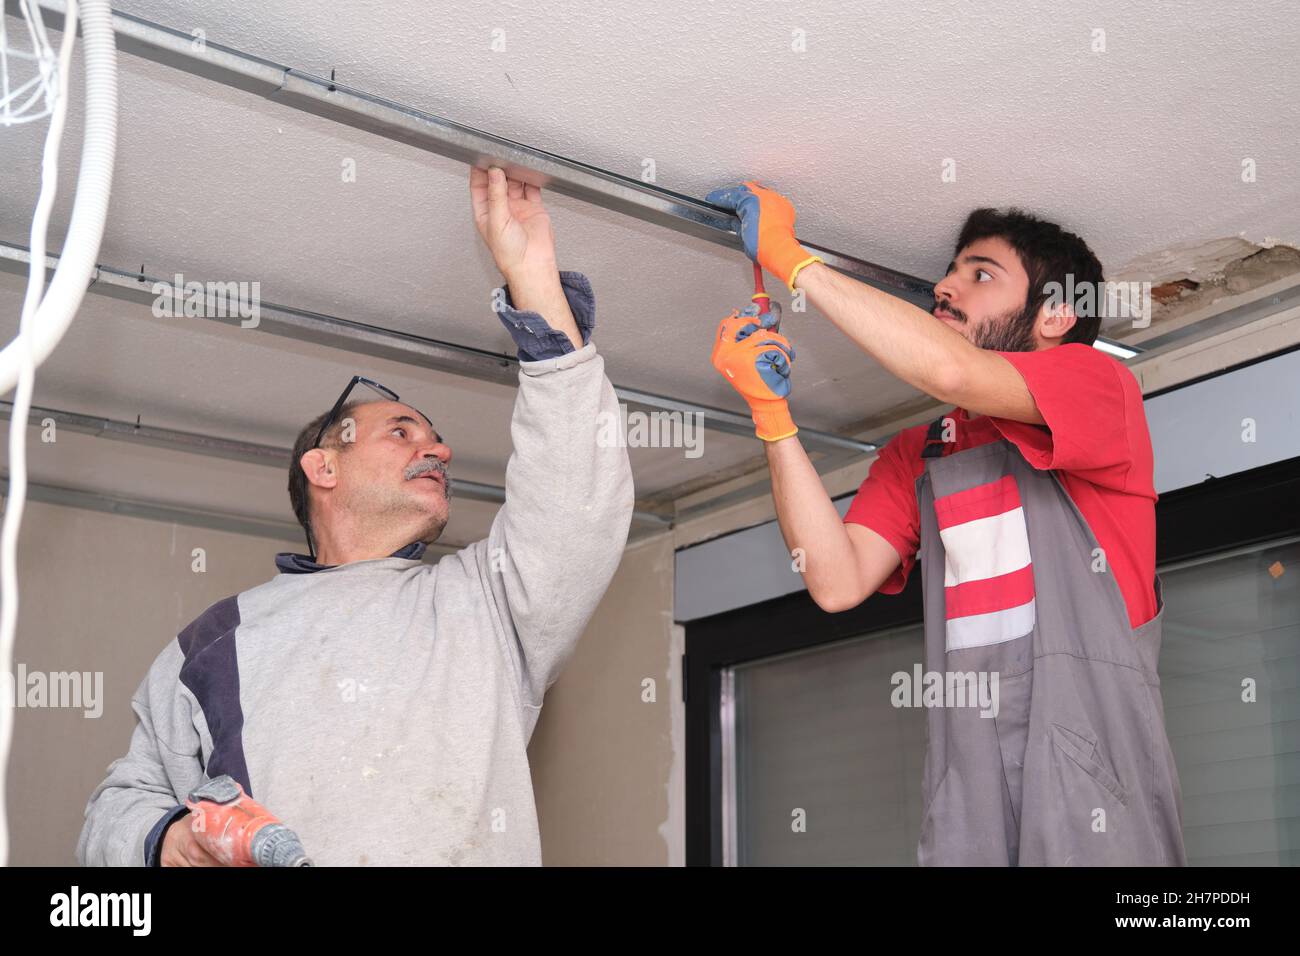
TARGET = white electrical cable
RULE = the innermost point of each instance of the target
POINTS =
(17, 496)
(46, 318)
(90, 210)
(42, 84)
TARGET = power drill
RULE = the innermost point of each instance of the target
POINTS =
(238, 830)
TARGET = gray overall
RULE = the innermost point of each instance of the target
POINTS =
(1075, 768)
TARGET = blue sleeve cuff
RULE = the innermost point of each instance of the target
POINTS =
(154, 841)
(533, 335)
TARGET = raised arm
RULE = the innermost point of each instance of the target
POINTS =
(556, 542)
(841, 566)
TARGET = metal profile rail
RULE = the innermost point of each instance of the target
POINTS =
(339, 103)
(158, 511)
(234, 450)
(356, 109)
(359, 338)
(374, 114)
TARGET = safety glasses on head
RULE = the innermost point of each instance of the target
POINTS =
(383, 393)
(375, 392)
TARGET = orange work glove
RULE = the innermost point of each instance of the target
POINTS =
(756, 360)
(766, 229)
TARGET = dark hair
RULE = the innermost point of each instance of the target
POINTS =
(297, 477)
(1048, 254)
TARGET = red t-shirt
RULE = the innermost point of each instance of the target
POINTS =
(1096, 439)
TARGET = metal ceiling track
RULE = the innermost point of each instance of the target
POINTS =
(358, 338)
(341, 104)
(281, 84)
(158, 511)
(405, 124)
(233, 450)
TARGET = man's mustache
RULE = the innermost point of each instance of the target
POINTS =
(426, 465)
(956, 313)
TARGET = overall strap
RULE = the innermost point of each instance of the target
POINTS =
(935, 446)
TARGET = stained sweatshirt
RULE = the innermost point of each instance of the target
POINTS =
(383, 708)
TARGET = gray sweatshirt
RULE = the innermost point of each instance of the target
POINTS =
(383, 708)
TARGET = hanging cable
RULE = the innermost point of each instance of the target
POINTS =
(46, 315)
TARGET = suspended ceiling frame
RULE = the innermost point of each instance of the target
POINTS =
(338, 103)
(358, 338)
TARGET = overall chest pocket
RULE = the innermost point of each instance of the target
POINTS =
(988, 571)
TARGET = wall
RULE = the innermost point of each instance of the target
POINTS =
(603, 752)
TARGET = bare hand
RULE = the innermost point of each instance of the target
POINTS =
(182, 848)
(513, 223)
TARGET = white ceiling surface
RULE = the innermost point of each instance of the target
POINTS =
(1138, 148)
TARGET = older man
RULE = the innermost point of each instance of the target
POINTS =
(380, 706)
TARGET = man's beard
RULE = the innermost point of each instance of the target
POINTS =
(1010, 332)
(424, 466)
(433, 531)
(385, 506)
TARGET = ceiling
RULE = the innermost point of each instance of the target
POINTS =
(1139, 148)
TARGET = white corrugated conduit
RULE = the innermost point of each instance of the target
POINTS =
(45, 318)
